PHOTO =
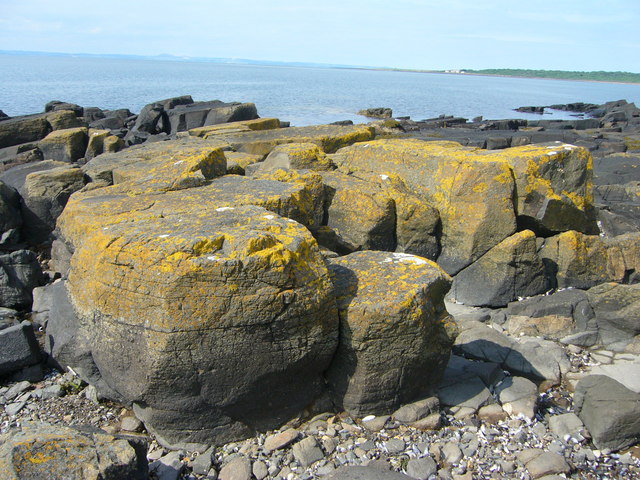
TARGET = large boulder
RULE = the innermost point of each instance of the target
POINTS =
(609, 410)
(45, 195)
(17, 130)
(66, 145)
(395, 335)
(20, 273)
(473, 194)
(39, 450)
(509, 270)
(232, 127)
(62, 119)
(361, 215)
(212, 324)
(584, 261)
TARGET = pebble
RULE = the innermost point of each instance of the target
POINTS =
(280, 440)
(260, 470)
(307, 451)
(394, 446)
(130, 424)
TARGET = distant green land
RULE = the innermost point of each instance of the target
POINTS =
(626, 77)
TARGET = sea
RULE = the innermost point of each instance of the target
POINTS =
(300, 95)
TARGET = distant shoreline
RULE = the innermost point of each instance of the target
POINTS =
(275, 63)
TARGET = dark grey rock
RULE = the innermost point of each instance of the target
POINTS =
(237, 469)
(10, 216)
(168, 467)
(20, 273)
(609, 410)
(24, 129)
(56, 105)
(518, 395)
(307, 451)
(617, 310)
(469, 392)
(421, 468)
(415, 411)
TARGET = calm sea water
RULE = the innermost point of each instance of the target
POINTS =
(303, 96)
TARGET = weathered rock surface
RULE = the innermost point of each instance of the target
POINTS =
(473, 193)
(37, 451)
(18, 348)
(17, 130)
(609, 410)
(240, 126)
(584, 261)
(251, 289)
(10, 216)
(617, 313)
(509, 270)
(300, 156)
(66, 145)
(20, 273)
(388, 303)
(328, 137)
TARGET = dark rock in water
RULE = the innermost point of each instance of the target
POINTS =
(379, 112)
(342, 122)
(3, 116)
(609, 410)
(152, 120)
(39, 450)
(375, 370)
(20, 273)
(576, 107)
(539, 110)
(18, 348)
(113, 119)
(10, 216)
(56, 105)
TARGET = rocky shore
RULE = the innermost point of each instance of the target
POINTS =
(197, 292)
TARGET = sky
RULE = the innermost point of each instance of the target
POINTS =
(415, 34)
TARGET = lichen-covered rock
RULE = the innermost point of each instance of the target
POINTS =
(168, 163)
(17, 130)
(584, 261)
(241, 126)
(96, 209)
(36, 451)
(212, 324)
(473, 192)
(66, 145)
(395, 335)
(509, 270)
(300, 156)
(328, 137)
(237, 162)
(95, 145)
(361, 214)
(554, 185)
(62, 119)
(45, 195)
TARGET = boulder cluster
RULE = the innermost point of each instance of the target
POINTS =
(222, 274)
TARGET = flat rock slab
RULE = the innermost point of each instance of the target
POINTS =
(328, 137)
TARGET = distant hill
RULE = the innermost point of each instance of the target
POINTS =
(599, 76)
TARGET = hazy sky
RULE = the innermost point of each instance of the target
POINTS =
(422, 34)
